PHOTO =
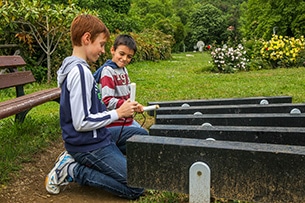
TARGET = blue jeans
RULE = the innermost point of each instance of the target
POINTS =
(105, 168)
(120, 135)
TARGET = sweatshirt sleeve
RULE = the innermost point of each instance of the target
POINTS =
(80, 101)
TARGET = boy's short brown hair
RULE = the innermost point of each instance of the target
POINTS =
(87, 23)
(126, 40)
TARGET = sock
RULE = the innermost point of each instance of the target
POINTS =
(70, 172)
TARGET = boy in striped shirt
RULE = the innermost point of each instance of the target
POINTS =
(115, 87)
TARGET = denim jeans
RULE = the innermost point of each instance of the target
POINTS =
(105, 168)
(121, 134)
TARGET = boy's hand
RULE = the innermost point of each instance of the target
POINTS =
(140, 108)
(127, 109)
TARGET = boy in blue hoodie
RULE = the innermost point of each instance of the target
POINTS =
(91, 157)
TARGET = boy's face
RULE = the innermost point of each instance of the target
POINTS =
(97, 48)
(122, 55)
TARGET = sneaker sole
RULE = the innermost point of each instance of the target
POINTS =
(53, 189)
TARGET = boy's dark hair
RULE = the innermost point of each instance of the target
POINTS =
(126, 40)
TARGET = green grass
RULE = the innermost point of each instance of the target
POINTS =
(183, 77)
(19, 142)
(186, 78)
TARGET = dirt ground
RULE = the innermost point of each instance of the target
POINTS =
(28, 185)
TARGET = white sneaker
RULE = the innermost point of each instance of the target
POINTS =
(59, 174)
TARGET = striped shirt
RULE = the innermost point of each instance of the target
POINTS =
(115, 88)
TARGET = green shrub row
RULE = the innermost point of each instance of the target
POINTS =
(152, 45)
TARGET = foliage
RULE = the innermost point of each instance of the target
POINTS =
(164, 25)
(208, 24)
(179, 36)
(39, 72)
(118, 6)
(160, 16)
(284, 51)
(38, 24)
(261, 18)
(51, 22)
(186, 21)
(253, 48)
(168, 16)
(143, 7)
(229, 59)
(118, 22)
(153, 45)
(231, 11)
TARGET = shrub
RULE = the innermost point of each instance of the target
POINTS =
(282, 51)
(229, 59)
(253, 48)
(153, 45)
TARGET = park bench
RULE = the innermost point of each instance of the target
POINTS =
(250, 156)
(12, 75)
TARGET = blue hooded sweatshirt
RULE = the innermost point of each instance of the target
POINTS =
(98, 72)
(83, 116)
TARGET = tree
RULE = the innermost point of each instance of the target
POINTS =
(46, 23)
(297, 24)
(261, 19)
(207, 23)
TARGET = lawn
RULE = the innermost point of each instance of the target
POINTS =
(186, 77)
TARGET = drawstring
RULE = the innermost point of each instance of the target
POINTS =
(120, 135)
(121, 131)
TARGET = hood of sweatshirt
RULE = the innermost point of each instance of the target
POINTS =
(67, 65)
(98, 72)
(110, 63)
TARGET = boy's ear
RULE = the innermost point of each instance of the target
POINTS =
(86, 38)
(112, 50)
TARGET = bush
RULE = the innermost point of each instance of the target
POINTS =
(229, 59)
(253, 47)
(283, 51)
(152, 45)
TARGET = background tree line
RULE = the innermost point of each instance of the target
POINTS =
(41, 27)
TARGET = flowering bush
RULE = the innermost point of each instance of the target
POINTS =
(283, 51)
(229, 59)
(253, 48)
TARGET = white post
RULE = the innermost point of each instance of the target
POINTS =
(132, 91)
(199, 183)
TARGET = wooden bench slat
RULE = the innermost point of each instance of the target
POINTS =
(11, 61)
(19, 104)
(23, 103)
(16, 78)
